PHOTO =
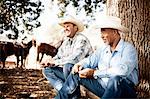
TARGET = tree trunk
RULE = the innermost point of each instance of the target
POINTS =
(135, 14)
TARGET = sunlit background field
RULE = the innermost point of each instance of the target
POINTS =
(51, 33)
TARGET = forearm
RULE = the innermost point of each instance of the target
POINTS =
(121, 70)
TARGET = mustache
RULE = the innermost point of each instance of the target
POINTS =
(66, 30)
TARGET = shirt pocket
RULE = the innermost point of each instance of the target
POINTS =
(115, 60)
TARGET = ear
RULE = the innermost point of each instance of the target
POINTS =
(76, 28)
(116, 34)
(117, 31)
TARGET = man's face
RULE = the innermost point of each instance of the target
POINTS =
(108, 36)
(70, 29)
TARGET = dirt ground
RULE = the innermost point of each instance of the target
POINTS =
(24, 83)
(16, 83)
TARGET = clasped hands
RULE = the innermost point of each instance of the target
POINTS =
(83, 73)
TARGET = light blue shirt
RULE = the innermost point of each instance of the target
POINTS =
(122, 61)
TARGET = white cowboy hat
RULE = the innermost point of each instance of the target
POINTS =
(111, 22)
(71, 19)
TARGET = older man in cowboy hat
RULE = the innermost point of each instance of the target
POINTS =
(110, 72)
(74, 48)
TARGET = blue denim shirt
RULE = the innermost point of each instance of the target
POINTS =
(122, 61)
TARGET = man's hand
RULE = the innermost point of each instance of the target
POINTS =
(48, 62)
(86, 73)
(76, 68)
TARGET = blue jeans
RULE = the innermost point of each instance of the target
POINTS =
(117, 87)
(57, 75)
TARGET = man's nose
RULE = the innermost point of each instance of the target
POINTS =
(102, 36)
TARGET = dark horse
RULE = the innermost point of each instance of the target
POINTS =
(9, 48)
(47, 49)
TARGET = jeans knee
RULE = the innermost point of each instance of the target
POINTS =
(68, 66)
(67, 69)
(114, 81)
(46, 71)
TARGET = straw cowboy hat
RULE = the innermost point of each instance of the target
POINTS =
(71, 19)
(112, 22)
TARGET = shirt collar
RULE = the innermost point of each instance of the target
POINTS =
(71, 39)
(118, 47)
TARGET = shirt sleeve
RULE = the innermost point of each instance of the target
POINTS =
(128, 63)
(91, 61)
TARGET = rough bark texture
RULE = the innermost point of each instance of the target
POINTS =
(135, 14)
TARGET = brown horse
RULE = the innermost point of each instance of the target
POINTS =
(9, 48)
(47, 49)
(6, 49)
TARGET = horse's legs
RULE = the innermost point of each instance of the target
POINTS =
(42, 57)
(3, 64)
(37, 56)
(22, 63)
(3, 61)
(23, 58)
(17, 60)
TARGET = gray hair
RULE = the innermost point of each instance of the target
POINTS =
(122, 35)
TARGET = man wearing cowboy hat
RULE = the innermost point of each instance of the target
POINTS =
(74, 48)
(111, 71)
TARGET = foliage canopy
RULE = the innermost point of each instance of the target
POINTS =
(19, 12)
(88, 5)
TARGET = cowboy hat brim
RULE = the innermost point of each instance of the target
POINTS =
(112, 22)
(118, 27)
(78, 23)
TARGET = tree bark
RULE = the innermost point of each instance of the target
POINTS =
(135, 14)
